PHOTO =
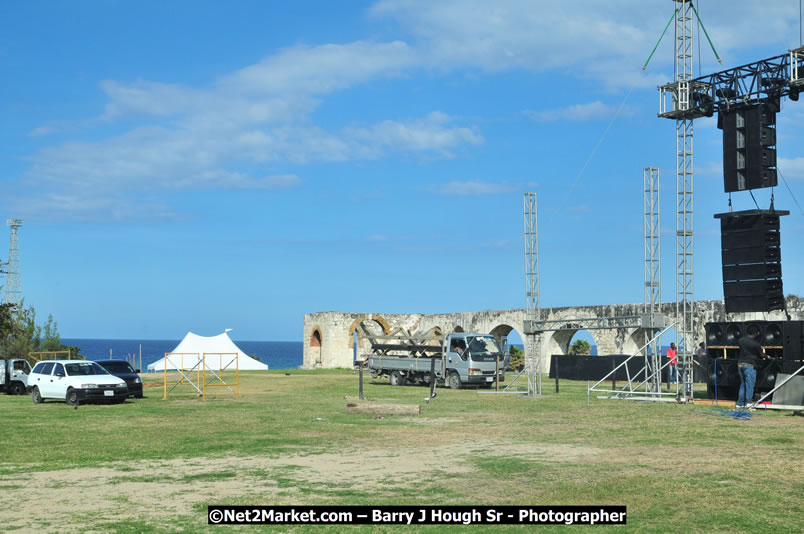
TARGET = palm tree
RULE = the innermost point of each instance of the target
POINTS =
(580, 348)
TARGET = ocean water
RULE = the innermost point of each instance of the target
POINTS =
(277, 354)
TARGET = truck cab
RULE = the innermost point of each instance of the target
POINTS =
(473, 359)
(14, 376)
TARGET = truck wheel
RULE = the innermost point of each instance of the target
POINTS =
(16, 389)
(72, 397)
(454, 381)
(396, 379)
(36, 396)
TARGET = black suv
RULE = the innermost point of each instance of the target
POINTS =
(122, 369)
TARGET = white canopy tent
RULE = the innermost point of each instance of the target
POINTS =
(192, 348)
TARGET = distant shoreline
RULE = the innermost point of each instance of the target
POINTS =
(276, 354)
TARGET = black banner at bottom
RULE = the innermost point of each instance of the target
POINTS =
(416, 515)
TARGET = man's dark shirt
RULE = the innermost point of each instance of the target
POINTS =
(750, 350)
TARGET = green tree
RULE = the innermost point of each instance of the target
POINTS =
(50, 338)
(23, 336)
(517, 359)
(580, 348)
(20, 335)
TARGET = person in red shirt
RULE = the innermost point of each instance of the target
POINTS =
(673, 369)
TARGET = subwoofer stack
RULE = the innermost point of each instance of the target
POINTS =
(782, 341)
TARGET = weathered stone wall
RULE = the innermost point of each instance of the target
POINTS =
(330, 337)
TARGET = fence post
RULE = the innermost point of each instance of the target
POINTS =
(360, 389)
(555, 363)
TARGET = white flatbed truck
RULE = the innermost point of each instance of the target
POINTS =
(456, 359)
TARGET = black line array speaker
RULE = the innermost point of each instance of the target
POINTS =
(749, 146)
(751, 259)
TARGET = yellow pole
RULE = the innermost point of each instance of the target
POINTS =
(110, 354)
(204, 366)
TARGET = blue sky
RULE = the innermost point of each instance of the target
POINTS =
(207, 165)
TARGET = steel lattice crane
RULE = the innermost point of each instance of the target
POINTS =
(13, 294)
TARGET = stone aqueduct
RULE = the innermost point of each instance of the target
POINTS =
(330, 337)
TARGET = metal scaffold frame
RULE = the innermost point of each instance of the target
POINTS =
(197, 363)
(13, 293)
(533, 364)
(684, 192)
(653, 275)
(634, 389)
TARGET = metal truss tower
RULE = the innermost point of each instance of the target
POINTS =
(653, 275)
(13, 286)
(684, 195)
(533, 311)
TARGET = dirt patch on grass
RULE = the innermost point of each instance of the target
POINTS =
(163, 490)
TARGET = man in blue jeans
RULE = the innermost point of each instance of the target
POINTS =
(750, 353)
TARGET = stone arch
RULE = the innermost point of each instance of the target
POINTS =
(358, 340)
(458, 329)
(558, 342)
(357, 323)
(314, 346)
(315, 337)
(502, 330)
(634, 341)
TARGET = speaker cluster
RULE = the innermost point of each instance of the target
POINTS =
(751, 257)
(771, 333)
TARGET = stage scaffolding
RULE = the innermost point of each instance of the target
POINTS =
(198, 371)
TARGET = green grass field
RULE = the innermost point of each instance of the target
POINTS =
(152, 465)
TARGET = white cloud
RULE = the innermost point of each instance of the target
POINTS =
(596, 110)
(46, 129)
(428, 134)
(321, 69)
(227, 135)
(524, 34)
(791, 169)
(604, 41)
(474, 187)
(242, 127)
